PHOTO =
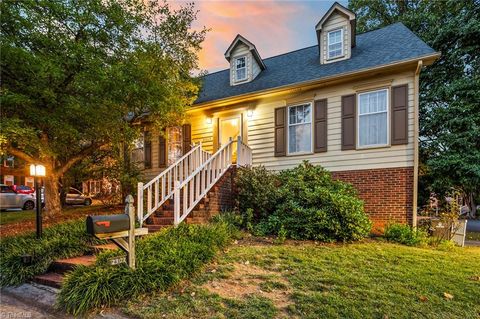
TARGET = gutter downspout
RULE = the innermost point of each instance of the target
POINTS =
(416, 127)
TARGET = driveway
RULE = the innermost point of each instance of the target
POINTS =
(473, 226)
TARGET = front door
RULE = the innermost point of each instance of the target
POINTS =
(230, 127)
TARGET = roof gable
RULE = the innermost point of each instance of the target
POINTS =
(336, 7)
(391, 44)
(240, 39)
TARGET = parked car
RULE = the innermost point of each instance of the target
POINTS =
(9, 198)
(23, 189)
(76, 197)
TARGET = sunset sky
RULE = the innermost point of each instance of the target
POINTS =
(275, 27)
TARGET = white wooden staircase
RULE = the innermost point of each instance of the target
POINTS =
(189, 190)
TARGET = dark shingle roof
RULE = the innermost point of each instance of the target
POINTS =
(390, 44)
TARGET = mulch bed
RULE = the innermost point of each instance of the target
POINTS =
(29, 225)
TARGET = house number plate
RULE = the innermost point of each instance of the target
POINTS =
(117, 260)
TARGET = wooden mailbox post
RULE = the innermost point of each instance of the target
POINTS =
(124, 239)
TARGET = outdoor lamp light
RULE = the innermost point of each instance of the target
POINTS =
(249, 113)
(38, 171)
(209, 120)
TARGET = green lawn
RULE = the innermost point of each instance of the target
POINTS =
(9, 217)
(364, 280)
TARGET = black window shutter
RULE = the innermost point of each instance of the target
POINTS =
(320, 126)
(280, 132)
(348, 122)
(187, 138)
(399, 115)
(162, 150)
(147, 151)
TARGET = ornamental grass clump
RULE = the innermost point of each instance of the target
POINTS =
(59, 241)
(163, 259)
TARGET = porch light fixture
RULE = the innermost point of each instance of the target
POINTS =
(249, 113)
(38, 171)
(209, 120)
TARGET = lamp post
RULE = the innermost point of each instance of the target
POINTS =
(38, 171)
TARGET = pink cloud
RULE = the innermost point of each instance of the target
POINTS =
(274, 27)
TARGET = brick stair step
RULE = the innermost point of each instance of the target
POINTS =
(164, 213)
(63, 265)
(51, 279)
(162, 221)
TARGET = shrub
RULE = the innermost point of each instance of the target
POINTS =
(163, 259)
(257, 190)
(313, 206)
(405, 234)
(301, 203)
(60, 241)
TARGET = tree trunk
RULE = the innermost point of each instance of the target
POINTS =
(52, 196)
(473, 205)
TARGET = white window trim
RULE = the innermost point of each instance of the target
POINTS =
(388, 120)
(311, 129)
(236, 80)
(342, 42)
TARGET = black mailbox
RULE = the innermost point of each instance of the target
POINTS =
(107, 224)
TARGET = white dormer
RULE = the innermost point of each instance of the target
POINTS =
(336, 34)
(245, 61)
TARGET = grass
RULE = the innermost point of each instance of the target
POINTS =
(363, 280)
(16, 216)
(473, 236)
(163, 259)
(11, 217)
(60, 241)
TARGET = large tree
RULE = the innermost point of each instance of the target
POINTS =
(76, 75)
(449, 89)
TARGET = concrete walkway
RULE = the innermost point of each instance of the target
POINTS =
(37, 301)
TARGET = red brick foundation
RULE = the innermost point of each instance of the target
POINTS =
(387, 193)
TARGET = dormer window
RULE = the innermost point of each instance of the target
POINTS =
(240, 69)
(336, 34)
(335, 44)
(245, 62)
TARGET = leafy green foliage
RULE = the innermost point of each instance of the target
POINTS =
(77, 75)
(60, 241)
(449, 89)
(305, 204)
(313, 206)
(257, 191)
(163, 259)
(405, 234)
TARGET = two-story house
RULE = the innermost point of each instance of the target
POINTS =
(348, 103)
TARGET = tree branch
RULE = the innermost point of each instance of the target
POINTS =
(73, 160)
(20, 154)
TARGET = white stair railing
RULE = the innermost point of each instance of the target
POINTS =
(189, 192)
(162, 187)
(189, 179)
(244, 153)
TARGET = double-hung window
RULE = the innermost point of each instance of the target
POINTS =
(335, 43)
(240, 69)
(373, 118)
(300, 129)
